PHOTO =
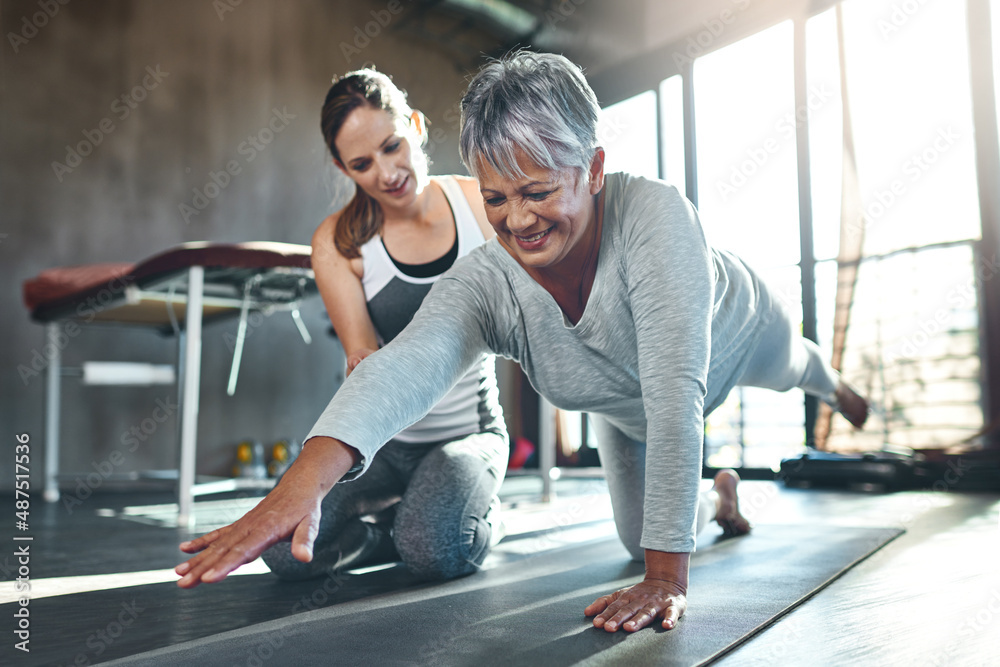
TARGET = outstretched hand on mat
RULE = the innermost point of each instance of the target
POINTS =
(291, 509)
(662, 594)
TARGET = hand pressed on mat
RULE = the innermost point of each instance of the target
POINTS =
(662, 594)
(292, 508)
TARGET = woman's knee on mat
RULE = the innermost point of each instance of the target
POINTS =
(442, 552)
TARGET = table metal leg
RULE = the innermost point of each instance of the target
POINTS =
(546, 446)
(52, 387)
(191, 364)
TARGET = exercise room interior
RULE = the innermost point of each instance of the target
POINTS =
(166, 179)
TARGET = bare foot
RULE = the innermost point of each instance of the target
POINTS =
(852, 405)
(727, 504)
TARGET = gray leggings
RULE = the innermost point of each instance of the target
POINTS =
(782, 360)
(434, 506)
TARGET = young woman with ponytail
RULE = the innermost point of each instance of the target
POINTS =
(429, 497)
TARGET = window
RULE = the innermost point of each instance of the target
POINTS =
(995, 43)
(628, 133)
(912, 117)
(826, 145)
(745, 126)
(672, 157)
(912, 342)
(748, 202)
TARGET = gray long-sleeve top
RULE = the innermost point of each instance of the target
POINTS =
(666, 333)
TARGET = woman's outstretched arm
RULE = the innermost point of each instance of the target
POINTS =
(395, 388)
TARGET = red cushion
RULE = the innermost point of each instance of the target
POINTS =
(64, 281)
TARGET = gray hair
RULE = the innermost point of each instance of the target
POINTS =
(539, 103)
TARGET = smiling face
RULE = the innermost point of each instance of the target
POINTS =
(375, 151)
(544, 218)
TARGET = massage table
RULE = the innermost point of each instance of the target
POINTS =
(174, 292)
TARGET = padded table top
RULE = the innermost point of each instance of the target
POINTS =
(117, 292)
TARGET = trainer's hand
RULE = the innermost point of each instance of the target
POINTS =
(356, 358)
(636, 607)
(292, 508)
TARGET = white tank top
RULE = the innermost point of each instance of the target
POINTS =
(393, 297)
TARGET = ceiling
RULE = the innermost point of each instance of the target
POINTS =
(597, 34)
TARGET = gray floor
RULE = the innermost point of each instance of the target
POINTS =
(931, 596)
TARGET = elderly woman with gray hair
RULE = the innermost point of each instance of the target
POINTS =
(603, 288)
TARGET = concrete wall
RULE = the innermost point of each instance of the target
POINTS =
(220, 78)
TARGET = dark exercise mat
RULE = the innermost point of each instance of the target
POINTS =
(531, 612)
